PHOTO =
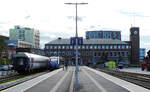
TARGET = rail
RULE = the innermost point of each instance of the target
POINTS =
(136, 78)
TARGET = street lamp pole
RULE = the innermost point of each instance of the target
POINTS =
(76, 35)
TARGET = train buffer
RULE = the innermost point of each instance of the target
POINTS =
(90, 80)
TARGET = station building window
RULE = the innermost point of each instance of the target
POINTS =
(59, 53)
(118, 53)
(74, 47)
(99, 47)
(123, 46)
(122, 53)
(55, 53)
(87, 53)
(95, 47)
(79, 47)
(111, 46)
(95, 54)
(115, 47)
(99, 53)
(91, 47)
(127, 46)
(111, 54)
(103, 46)
(115, 54)
(127, 53)
(55, 47)
(63, 53)
(63, 47)
(119, 46)
(87, 47)
(51, 47)
(107, 47)
(59, 47)
(51, 53)
(83, 47)
(67, 47)
(47, 47)
(71, 47)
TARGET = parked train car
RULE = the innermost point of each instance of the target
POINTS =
(146, 62)
(56, 62)
(26, 62)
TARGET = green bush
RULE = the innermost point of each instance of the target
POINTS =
(2, 61)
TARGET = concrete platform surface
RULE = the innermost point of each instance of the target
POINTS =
(135, 70)
(121, 83)
(90, 80)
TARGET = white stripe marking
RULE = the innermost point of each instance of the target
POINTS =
(95, 82)
(72, 81)
(59, 83)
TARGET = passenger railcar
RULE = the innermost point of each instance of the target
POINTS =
(56, 62)
(27, 62)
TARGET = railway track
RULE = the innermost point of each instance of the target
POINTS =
(136, 78)
(9, 81)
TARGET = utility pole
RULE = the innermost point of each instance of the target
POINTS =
(76, 35)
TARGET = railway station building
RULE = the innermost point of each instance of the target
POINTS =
(91, 51)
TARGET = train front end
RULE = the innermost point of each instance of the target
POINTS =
(21, 64)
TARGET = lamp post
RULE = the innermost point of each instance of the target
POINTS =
(76, 35)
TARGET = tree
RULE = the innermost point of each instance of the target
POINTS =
(3, 46)
(104, 57)
(120, 58)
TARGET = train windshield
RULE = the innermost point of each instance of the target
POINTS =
(21, 61)
(54, 60)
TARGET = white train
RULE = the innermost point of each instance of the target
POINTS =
(24, 62)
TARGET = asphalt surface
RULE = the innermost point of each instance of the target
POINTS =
(59, 82)
(91, 82)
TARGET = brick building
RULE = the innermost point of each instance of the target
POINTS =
(91, 50)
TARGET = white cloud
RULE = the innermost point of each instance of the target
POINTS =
(51, 16)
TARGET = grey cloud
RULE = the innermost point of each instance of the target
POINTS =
(27, 17)
(79, 18)
(4, 22)
(137, 14)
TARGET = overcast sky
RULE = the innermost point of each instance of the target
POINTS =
(55, 19)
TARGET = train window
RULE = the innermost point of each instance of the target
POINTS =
(20, 61)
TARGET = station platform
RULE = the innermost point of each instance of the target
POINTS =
(90, 80)
(135, 70)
